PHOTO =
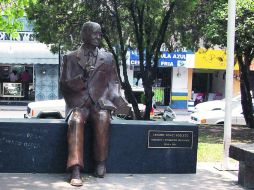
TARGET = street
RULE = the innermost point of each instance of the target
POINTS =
(19, 113)
(180, 117)
(12, 114)
(12, 111)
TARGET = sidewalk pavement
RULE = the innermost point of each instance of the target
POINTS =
(206, 178)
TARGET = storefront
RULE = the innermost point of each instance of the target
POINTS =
(171, 80)
(208, 76)
(161, 87)
(28, 70)
(184, 77)
(16, 82)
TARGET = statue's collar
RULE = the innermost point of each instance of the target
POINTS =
(87, 52)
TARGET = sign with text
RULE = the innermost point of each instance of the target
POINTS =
(170, 139)
(22, 37)
(175, 59)
(167, 59)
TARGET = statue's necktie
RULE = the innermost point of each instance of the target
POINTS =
(90, 64)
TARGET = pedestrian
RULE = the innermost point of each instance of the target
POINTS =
(14, 76)
(25, 78)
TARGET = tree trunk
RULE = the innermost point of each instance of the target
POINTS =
(245, 93)
(124, 83)
(148, 93)
(132, 99)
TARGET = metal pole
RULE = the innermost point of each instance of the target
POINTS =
(229, 80)
(59, 69)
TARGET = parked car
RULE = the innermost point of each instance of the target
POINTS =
(56, 108)
(217, 116)
(46, 109)
(216, 104)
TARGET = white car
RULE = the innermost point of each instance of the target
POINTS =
(55, 109)
(217, 116)
(215, 104)
(46, 109)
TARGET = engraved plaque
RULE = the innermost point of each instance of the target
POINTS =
(170, 139)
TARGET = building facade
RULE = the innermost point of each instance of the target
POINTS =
(171, 82)
(180, 76)
(209, 74)
(184, 77)
(26, 54)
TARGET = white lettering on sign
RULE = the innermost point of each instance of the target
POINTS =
(23, 37)
(179, 56)
(164, 55)
(134, 62)
(166, 63)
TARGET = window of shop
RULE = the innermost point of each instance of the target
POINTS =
(16, 82)
(162, 86)
(203, 87)
(4, 73)
(202, 82)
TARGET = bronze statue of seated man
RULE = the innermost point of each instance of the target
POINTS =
(91, 89)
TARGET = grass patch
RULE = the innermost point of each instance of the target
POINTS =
(210, 152)
(210, 141)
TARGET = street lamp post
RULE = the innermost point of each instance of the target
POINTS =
(229, 81)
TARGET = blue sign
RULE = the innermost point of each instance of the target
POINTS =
(174, 59)
(134, 57)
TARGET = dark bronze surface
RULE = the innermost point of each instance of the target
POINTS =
(91, 89)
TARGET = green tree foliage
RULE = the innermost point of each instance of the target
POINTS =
(11, 11)
(210, 22)
(140, 24)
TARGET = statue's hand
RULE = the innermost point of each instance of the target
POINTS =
(74, 84)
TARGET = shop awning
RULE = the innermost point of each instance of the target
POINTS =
(26, 53)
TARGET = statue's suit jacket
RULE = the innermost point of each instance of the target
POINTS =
(101, 85)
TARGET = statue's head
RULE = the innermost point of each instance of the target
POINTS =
(91, 34)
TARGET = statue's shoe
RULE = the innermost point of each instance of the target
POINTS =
(100, 170)
(75, 179)
(76, 182)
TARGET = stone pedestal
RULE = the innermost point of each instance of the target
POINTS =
(33, 145)
(246, 174)
(244, 153)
